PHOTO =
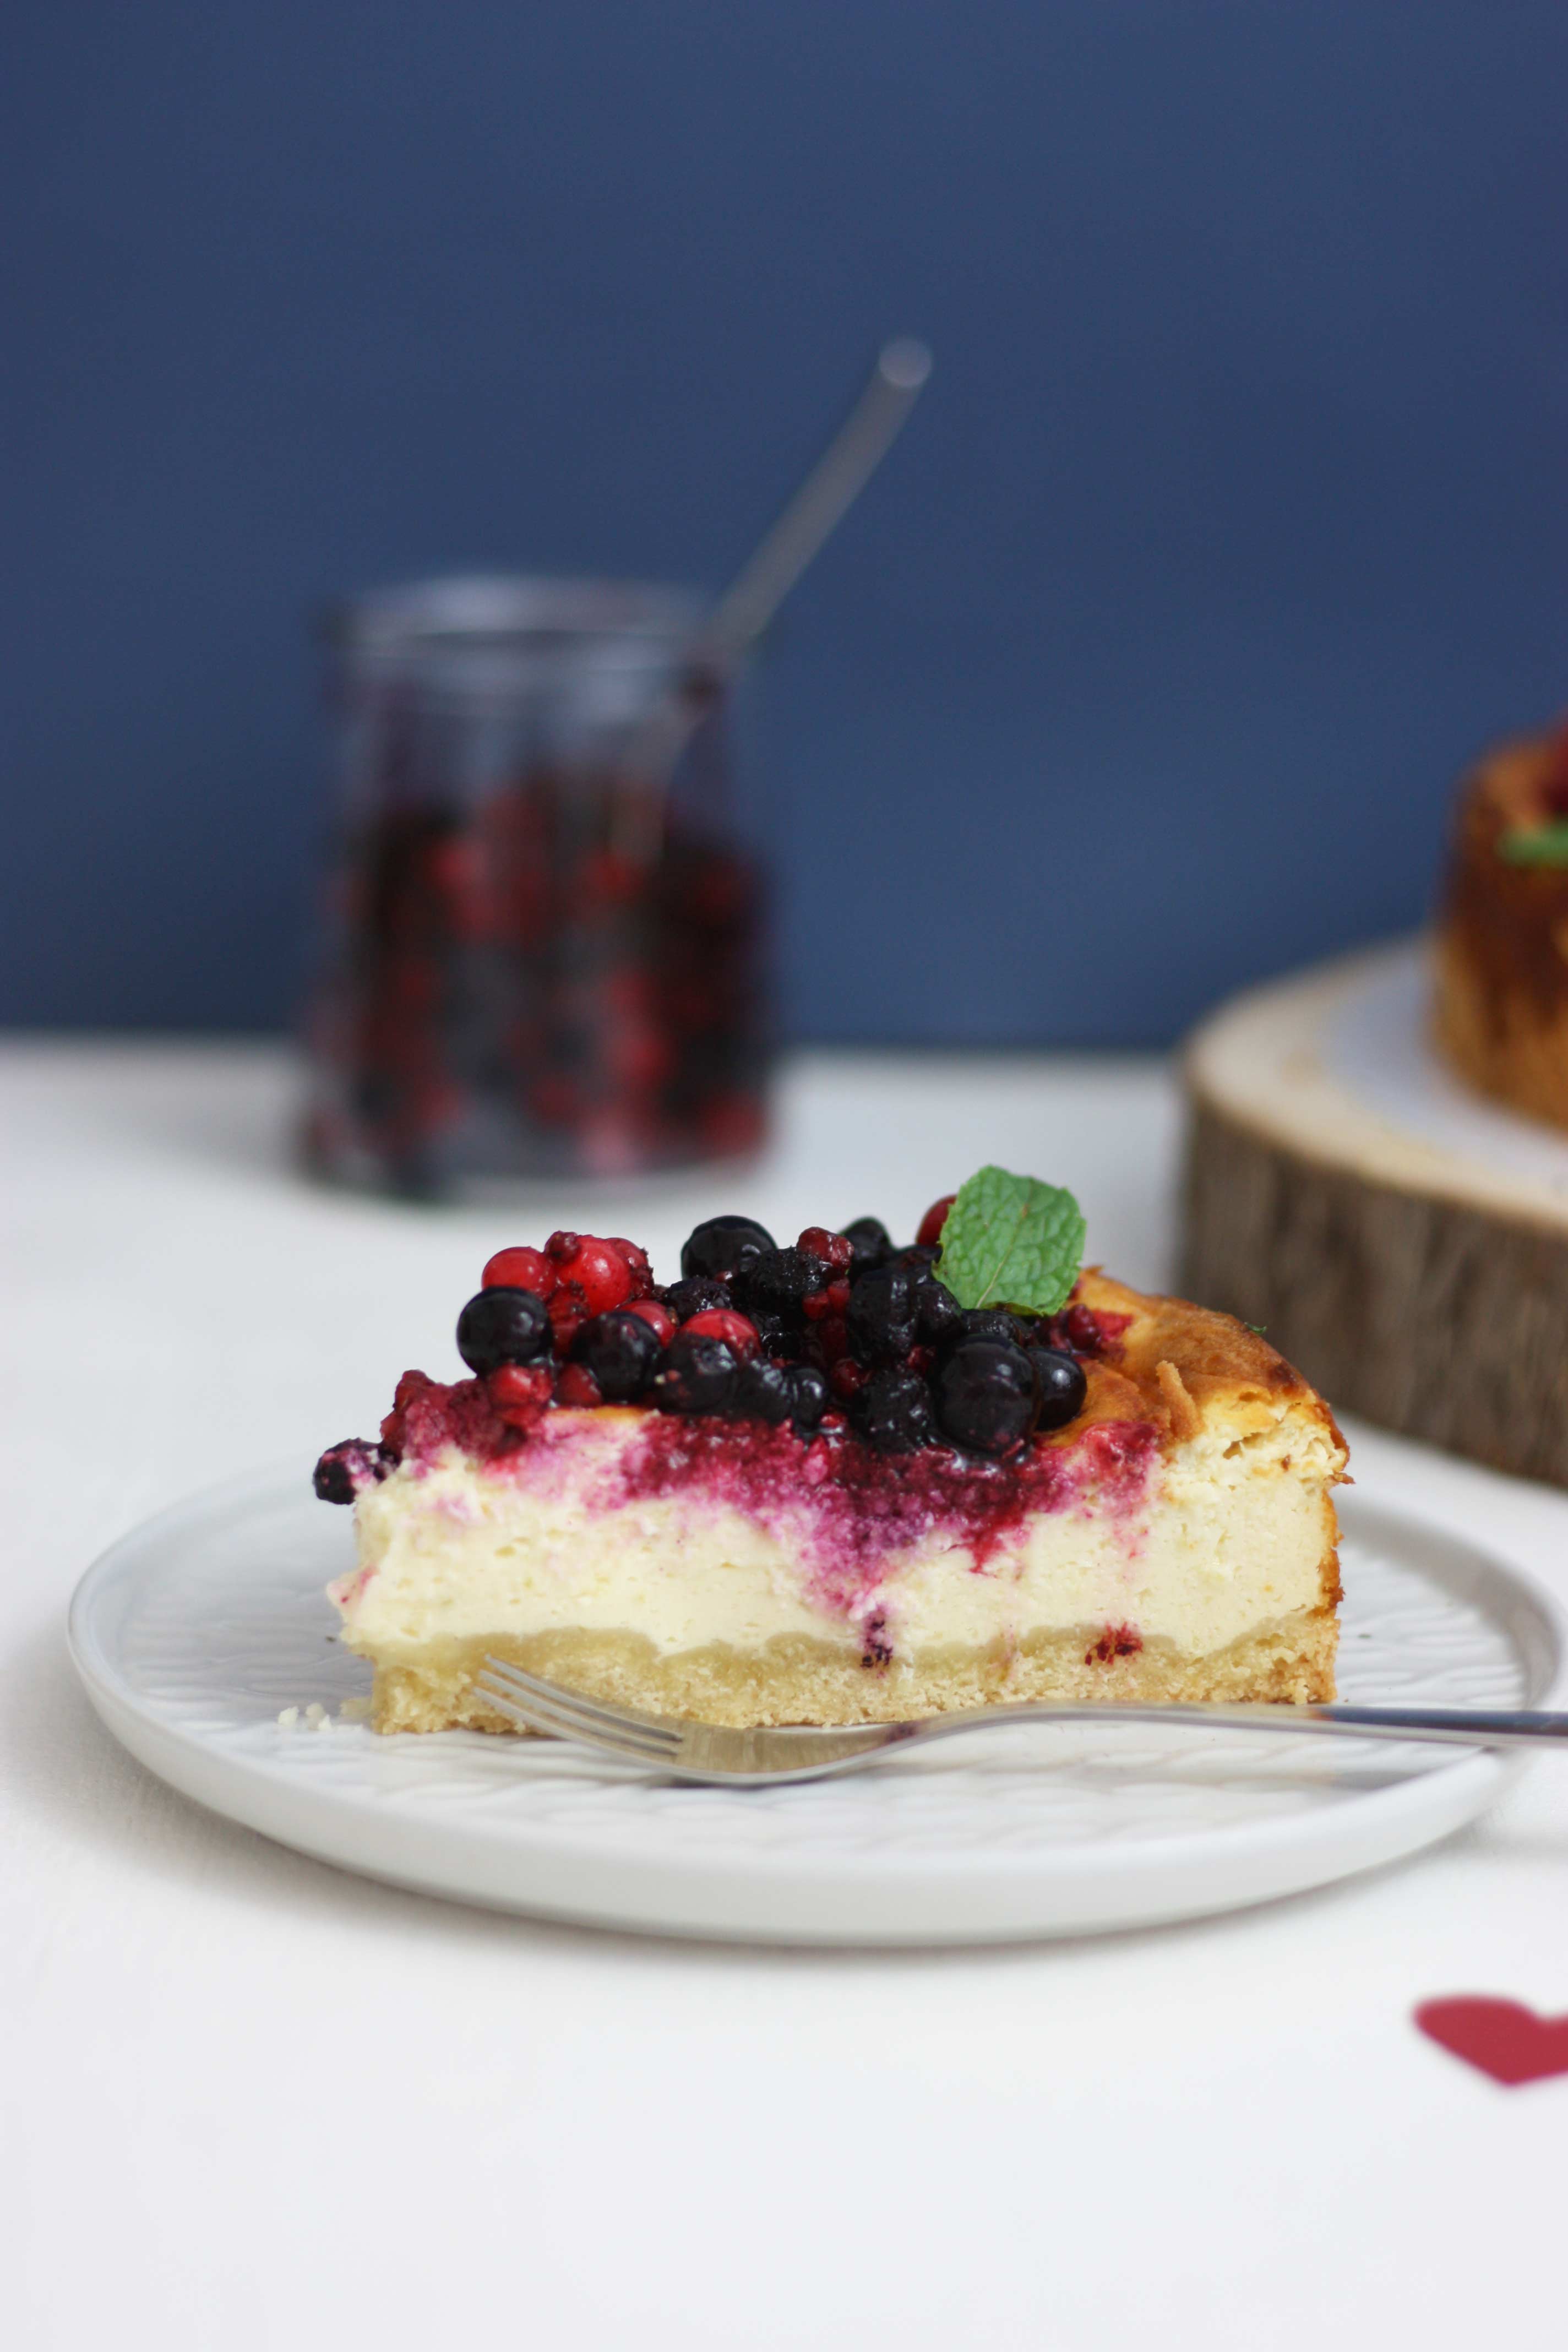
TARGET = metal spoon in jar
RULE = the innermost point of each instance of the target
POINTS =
(754, 595)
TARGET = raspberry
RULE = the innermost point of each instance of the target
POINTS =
(520, 1269)
(722, 1323)
(931, 1224)
(836, 1250)
(848, 1378)
(659, 1318)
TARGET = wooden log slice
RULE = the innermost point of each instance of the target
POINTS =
(1423, 1286)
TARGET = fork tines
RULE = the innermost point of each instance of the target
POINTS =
(565, 1715)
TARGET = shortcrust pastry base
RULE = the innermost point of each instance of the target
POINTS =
(796, 1680)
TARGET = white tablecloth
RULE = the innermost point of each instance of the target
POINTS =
(254, 2102)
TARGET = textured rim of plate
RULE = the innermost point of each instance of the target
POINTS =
(738, 1894)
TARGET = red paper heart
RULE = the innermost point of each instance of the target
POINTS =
(1503, 2038)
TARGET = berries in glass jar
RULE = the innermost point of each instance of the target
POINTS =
(719, 1246)
(987, 1395)
(502, 1326)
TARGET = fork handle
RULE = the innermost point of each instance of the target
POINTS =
(1455, 1726)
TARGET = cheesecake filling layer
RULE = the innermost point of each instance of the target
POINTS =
(691, 1538)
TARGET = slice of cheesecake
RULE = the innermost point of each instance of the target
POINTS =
(812, 1485)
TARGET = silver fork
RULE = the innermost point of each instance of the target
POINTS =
(717, 1755)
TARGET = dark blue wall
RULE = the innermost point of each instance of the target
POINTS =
(1235, 518)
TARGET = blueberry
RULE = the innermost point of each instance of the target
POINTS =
(882, 1315)
(345, 1468)
(718, 1248)
(918, 1258)
(988, 1323)
(987, 1395)
(893, 1412)
(502, 1326)
(779, 1281)
(1062, 1386)
(696, 1375)
(694, 1297)
(621, 1352)
(809, 1395)
(939, 1317)
(763, 1392)
(872, 1243)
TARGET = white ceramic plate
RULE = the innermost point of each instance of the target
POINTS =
(195, 1634)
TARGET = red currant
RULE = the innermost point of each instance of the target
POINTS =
(519, 1393)
(594, 1271)
(577, 1386)
(520, 1269)
(722, 1323)
(659, 1317)
(931, 1224)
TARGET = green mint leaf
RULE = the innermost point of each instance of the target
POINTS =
(1011, 1241)
(1543, 844)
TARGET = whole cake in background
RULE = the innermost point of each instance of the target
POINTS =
(838, 1481)
(1501, 1006)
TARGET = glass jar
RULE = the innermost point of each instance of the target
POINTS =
(544, 950)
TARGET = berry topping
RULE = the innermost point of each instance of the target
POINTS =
(893, 1412)
(658, 1318)
(594, 1271)
(931, 1224)
(809, 1395)
(988, 1323)
(848, 1378)
(987, 1396)
(696, 1375)
(763, 1393)
(577, 1386)
(520, 1269)
(835, 1250)
(621, 1351)
(723, 1323)
(348, 1465)
(719, 1246)
(685, 1299)
(1062, 1386)
(502, 1326)
(1081, 1326)
(882, 1315)
(637, 1259)
(938, 1314)
(870, 1243)
(779, 1281)
(918, 1258)
(519, 1393)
